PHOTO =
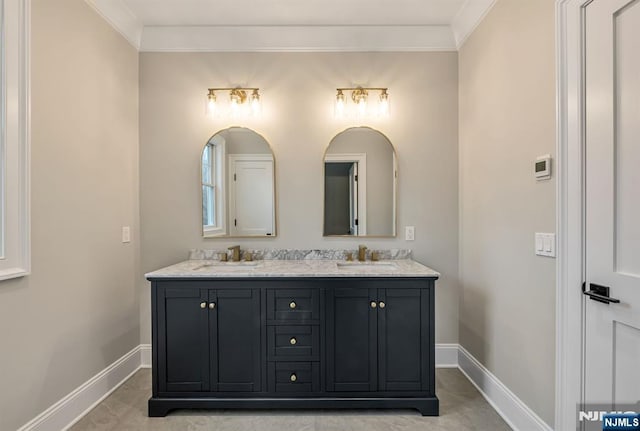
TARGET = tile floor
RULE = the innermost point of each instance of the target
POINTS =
(462, 408)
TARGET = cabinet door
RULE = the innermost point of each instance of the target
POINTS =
(183, 343)
(403, 336)
(234, 325)
(351, 340)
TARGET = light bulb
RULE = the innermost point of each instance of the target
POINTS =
(384, 104)
(211, 103)
(256, 108)
(339, 108)
(362, 106)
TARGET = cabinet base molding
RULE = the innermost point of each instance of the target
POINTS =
(159, 407)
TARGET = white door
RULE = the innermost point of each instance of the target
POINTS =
(251, 200)
(612, 215)
(353, 198)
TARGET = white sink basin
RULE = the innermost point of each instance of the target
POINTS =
(367, 265)
(243, 265)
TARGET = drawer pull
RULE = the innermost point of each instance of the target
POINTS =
(293, 341)
(292, 305)
(203, 305)
(212, 305)
(382, 304)
(293, 377)
(373, 304)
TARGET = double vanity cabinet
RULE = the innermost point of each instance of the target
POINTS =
(276, 337)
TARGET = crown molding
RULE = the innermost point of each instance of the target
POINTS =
(468, 18)
(120, 18)
(296, 38)
(292, 38)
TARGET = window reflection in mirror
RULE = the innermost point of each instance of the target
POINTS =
(238, 194)
(360, 184)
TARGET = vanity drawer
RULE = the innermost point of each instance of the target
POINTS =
(293, 305)
(299, 342)
(294, 376)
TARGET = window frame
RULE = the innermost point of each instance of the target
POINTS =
(15, 259)
(217, 166)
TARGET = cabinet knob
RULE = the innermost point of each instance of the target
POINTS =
(382, 304)
(373, 304)
(293, 377)
(292, 305)
(203, 305)
(293, 341)
(212, 305)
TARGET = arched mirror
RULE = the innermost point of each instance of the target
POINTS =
(360, 184)
(238, 186)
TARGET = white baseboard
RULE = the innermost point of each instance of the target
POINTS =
(447, 355)
(515, 412)
(145, 355)
(66, 412)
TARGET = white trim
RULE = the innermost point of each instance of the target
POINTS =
(468, 18)
(16, 139)
(70, 409)
(120, 18)
(145, 355)
(361, 159)
(569, 215)
(512, 409)
(447, 355)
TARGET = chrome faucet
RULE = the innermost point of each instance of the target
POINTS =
(235, 253)
(362, 253)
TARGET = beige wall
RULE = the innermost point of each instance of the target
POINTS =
(78, 312)
(507, 118)
(298, 90)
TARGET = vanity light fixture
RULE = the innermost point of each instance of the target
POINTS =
(360, 98)
(237, 101)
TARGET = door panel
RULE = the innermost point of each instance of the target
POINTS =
(351, 340)
(235, 340)
(251, 198)
(627, 131)
(183, 335)
(612, 343)
(399, 334)
(626, 342)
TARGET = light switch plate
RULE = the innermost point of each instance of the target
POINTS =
(126, 234)
(545, 244)
(409, 233)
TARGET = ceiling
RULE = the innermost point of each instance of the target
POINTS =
(294, 25)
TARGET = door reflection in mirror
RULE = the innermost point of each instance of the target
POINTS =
(238, 193)
(360, 184)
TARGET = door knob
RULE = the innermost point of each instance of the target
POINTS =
(599, 293)
(212, 305)
(293, 377)
(373, 304)
(203, 305)
(382, 304)
(292, 305)
(293, 341)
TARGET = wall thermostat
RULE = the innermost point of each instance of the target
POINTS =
(543, 167)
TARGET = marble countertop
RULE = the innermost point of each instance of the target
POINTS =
(293, 268)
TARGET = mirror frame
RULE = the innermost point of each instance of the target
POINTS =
(275, 190)
(395, 186)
